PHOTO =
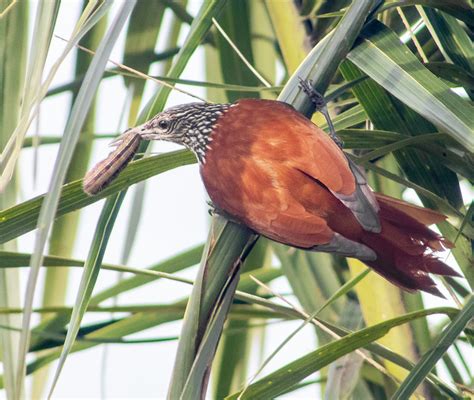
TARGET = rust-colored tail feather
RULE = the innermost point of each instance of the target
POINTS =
(405, 245)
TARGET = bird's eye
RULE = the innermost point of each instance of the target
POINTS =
(164, 124)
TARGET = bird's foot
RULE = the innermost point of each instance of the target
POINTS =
(214, 210)
(316, 98)
(320, 104)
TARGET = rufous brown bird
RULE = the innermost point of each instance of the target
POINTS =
(269, 167)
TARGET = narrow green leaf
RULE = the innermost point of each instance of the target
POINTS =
(461, 164)
(173, 34)
(440, 203)
(344, 289)
(289, 375)
(236, 345)
(239, 311)
(189, 82)
(289, 31)
(388, 113)
(452, 73)
(460, 9)
(352, 117)
(174, 264)
(454, 40)
(429, 359)
(324, 59)
(23, 217)
(412, 83)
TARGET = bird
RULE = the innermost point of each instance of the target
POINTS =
(269, 167)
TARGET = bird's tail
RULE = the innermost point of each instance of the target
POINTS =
(405, 246)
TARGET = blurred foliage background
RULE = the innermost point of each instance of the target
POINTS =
(399, 80)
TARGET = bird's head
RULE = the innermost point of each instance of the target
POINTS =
(190, 125)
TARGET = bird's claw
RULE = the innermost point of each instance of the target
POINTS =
(320, 105)
(214, 210)
(316, 98)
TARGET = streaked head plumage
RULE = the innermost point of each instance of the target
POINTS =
(190, 125)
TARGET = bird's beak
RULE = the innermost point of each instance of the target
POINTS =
(146, 132)
(138, 130)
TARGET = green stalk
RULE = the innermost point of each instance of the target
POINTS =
(221, 259)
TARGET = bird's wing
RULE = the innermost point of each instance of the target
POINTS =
(324, 161)
(259, 196)
(306, 147)
(362, 202)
